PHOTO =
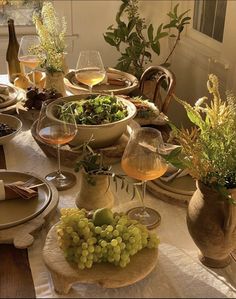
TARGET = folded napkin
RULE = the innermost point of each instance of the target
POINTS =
(177, 174)
(17, 190)
(115, 79)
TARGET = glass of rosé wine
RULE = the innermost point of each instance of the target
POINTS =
(55, 132)
(142, 161)
(27, 45)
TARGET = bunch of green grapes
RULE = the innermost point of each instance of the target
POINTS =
(85, 243)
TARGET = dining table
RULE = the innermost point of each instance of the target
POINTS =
(177, 274)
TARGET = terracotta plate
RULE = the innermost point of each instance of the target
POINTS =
(16, 211)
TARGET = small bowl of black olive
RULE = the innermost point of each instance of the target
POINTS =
(10, 126)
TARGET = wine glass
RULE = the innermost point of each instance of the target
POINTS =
(26, 55)
(90, 69)
(57, 132)
(141, 160)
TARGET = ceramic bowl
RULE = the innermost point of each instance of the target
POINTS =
(14, 123)
(105, 134)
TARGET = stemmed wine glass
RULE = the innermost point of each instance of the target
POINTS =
(26, 55)
(90, 69)
(141, 160)
(57, 132)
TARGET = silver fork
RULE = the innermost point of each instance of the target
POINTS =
(30, 183)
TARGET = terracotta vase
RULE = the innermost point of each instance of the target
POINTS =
(55, 80)
(94, 196)
(211, 222)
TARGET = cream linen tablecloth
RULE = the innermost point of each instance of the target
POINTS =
(178, 272)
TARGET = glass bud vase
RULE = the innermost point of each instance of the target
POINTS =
(55, 80)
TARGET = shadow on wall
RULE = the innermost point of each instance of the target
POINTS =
(191, 68)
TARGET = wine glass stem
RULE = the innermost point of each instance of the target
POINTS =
(33, 75)
(90, 89)
(144, 185)
(59, 160)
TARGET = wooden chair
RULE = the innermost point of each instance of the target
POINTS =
(157, 83)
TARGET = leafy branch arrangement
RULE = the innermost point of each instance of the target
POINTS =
(208, 149)
(92, 163)
(134, 39)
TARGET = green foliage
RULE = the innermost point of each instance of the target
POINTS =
(208, 150)
(92, 163)
(101, 109)
(136, 41)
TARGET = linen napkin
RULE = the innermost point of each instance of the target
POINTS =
(16, 190)
(115, 79)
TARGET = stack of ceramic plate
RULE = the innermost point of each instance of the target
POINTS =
(8, 98)
(177, 191)
(17, 211)
(20, 218)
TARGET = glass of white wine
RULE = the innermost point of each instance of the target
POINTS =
(25, 53)
(57, 132)
(90, 69)
(141, 160)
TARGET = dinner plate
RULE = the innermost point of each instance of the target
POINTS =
(177, 192)
(12, 97)
(180, 185)
(9, 109)
(128, 81)
(17, 211)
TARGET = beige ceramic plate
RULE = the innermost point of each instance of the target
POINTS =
(16, 211)
(12, 98)
(183, 185)
(130, 83)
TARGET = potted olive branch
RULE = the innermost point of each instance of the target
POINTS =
(135, 40)
(96, 179)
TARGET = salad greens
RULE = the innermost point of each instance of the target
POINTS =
(145, 108)
(102, 109)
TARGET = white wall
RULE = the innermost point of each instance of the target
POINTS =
(90, 20)
(87, 21)
(197, 56)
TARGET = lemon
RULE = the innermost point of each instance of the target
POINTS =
(102, 216)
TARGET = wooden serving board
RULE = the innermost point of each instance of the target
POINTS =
(22, 235)
(104, 274)
(111, 154)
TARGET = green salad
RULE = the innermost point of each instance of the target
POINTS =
(102, 109)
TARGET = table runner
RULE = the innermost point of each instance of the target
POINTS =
(18, 273)
(178, 272)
